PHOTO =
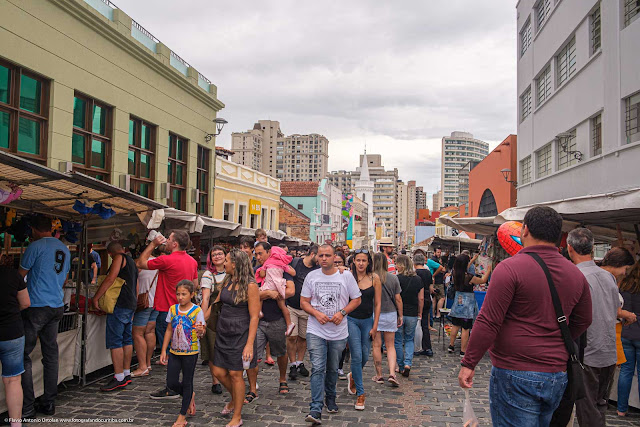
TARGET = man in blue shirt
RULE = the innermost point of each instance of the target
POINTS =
(95, 264)
(46, 263)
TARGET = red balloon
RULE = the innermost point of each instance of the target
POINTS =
(509, 237)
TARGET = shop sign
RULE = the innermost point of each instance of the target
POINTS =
(254, 207)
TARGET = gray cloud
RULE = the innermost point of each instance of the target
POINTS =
(398, 75)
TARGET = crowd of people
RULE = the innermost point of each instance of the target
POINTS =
(258, 302)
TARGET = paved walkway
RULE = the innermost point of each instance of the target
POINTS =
(429, 397)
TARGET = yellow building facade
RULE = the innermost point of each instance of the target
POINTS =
(246, 196)
(84, 87)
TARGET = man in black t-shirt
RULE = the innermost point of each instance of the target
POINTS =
(297, 341)
(423, 272)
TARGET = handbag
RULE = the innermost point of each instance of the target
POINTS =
(142, 302)
(575, 370)
(107, 302)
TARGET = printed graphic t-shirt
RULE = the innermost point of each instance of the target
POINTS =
(329, 294)
(184, 340)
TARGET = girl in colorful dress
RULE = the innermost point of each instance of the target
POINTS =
(185, 324)
(270, 277)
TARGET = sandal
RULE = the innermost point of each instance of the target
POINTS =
(250, 397)
(393, 381)
(227, 411)
(177, 424)
(235, 425)
(284, 388)
(144, 373)
(406, 371)
(377, 379)
(270, 362)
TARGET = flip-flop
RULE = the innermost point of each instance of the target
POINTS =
(226, 411)
(144, 373)
(177, 424)
(270, 362)
(393, 381)
(250, 397)
(236, 425)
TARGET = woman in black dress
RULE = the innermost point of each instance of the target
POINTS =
(236, 330)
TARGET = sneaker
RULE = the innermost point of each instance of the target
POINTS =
(293, 373)
(114, 385)
(451, 349)
(165, 393)
(429, 353)
(351, 385)
(314, 417)
(462, 353)
(216, 389)
(341, 374)
(302, 370)
(360, 403)
(44, 409)
(127, 379)
(331, 405)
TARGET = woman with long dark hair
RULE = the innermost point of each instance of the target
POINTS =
(630, 337)
(235, 347)
(363, 322)
(412, 304)
(465, 307)
(390, 319)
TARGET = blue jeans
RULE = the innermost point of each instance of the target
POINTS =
(324, 356)
(405, 335)
(524, 398)
(161, 326)
(632, 354)
(12, 357)
(359, 345)
(119, 326)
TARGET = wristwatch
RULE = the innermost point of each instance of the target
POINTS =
(344, 313)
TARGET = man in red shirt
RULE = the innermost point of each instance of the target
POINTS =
(519, 327)
(177, 265)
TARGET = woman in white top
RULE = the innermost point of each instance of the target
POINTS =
(144, 323)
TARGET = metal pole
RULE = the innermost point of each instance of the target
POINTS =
(83, 345)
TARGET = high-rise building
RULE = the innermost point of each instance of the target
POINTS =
(421, 199)
(292, 158)
(343, 180)
(411, 210)
(463, 184)
(247, 148)
(402, 208)
(457, 150)
(437, 196)
(578, 98)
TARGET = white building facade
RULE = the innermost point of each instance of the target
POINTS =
(457, 149)
(364, 189)
(578, 98)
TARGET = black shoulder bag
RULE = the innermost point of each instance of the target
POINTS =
(575, 371)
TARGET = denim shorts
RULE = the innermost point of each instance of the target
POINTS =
(12, 357)
(388, 322)
(141, 318)
(119, 326)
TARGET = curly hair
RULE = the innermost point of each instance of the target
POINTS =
(242, 275)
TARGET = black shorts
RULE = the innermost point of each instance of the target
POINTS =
(463, 323)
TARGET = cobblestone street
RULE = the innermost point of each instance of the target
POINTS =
(429, 397)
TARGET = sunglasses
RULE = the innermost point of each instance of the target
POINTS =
(362, 251)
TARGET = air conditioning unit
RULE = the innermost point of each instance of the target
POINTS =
(125, 182)
(165, 190)
(196, 195)
(65, 167)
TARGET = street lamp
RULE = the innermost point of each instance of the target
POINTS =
(506, 173)
(220, 122)
(563, 140)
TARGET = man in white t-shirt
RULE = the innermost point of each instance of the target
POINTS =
(328, 297)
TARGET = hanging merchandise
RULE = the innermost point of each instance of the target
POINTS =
(509, 237)
(20, 229)
(116, 235)
(81, 206)
(70, 230)
(11, 215)
(9, 192)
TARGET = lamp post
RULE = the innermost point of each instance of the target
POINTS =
(563, 140)
(506, 173)
(220, 122)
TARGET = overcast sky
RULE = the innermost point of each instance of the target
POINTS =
(396, 75)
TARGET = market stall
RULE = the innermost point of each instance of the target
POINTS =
(83, 209)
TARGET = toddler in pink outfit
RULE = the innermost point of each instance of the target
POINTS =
(270, 278)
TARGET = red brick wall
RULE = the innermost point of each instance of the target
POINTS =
(294, 223)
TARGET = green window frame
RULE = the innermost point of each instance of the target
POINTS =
(177, 171)
(24, 112)
(204, 156)
(141, 157)
(91, 137)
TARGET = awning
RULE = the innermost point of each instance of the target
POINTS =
(175, 219)
(601, 213)
(447, 242)
(50, 192)
(480, 225)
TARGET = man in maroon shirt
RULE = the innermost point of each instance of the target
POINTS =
(519, 327)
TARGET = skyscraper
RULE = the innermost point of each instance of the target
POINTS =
(457, 150)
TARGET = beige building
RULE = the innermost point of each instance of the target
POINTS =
(302, 158)
(247, 147)
(85, 87)
(436, 197)
(402, 207)
(361, 236)
(246, 196)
